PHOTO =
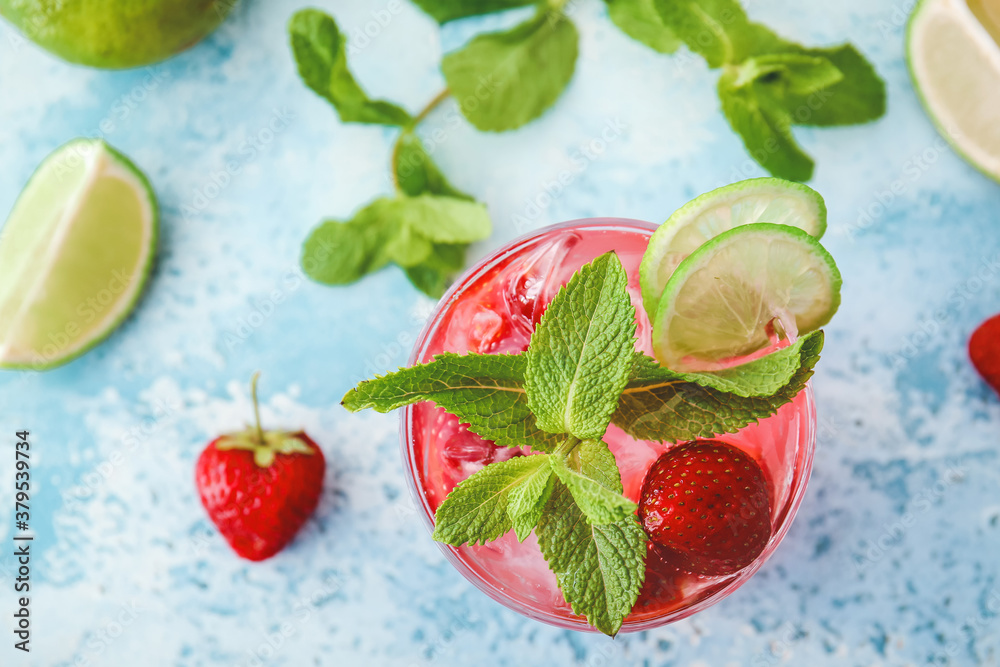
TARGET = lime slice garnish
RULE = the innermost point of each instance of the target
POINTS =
(734, 295)
(954, 60)
(756, 200)
(75, 251)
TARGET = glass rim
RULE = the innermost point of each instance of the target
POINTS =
(802, 465)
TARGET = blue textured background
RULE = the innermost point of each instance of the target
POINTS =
(892, 560)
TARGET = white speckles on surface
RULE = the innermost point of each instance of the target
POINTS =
(891, 561)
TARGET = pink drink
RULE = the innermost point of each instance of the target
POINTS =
(493, 309)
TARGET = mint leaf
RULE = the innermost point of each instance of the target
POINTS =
(791, 73)
(503, 80)
(763, 124)
(337, 253)
(483, 390)
(424, 234)
(639, 20)
(710, 28)
(600, 569)
(528, 500)
(404, 245)
(416, 173)
(475, 512)
(760, 377)
(859, 97)
(755, 39)
(598, 503)
(581, 352)
(443, 219)
(593, 459)
(443, 11)
(320, 53)
(656, 405)
(434, 275)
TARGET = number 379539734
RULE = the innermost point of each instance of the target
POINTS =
(22, 477)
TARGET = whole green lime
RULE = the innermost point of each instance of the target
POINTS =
(115, 34)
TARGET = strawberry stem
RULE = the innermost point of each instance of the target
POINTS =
(256, 408)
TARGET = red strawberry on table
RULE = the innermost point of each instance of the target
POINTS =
(706, 503)
(259, 486)
(984, 350)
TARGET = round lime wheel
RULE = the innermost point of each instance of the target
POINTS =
(730, 297)
(771, 200)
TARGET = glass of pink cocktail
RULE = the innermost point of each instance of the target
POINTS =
(493, 309)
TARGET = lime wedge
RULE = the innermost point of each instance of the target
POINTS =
(955, 64)
(756, 200)
(76, 252)
(735, 294)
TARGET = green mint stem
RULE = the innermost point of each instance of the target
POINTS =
(567, 446)
(433, 104)
(419, 118)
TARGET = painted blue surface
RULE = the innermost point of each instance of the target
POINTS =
(892, 560)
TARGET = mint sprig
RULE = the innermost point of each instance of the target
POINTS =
(425, 228)
(600, 569)
(408, 231)
(859, 96)
(416, 173)
(769, 84)
(580, 372)
(765, 376)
